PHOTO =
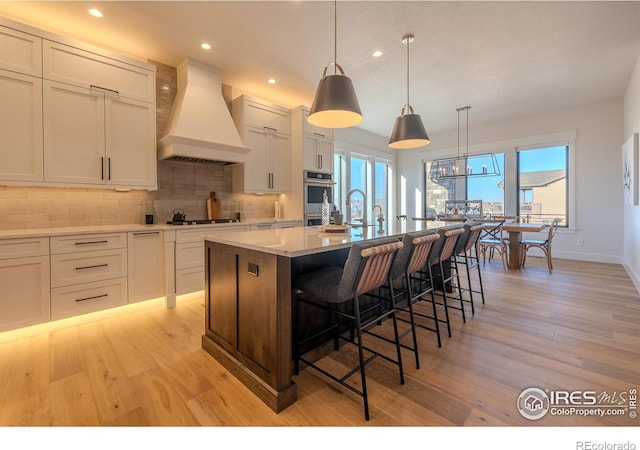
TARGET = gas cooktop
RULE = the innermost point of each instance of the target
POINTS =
(201, 221)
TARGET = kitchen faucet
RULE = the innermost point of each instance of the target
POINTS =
(380, 218)
(364, 206)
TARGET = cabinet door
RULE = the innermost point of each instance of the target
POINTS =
(325, 154)
(74, 141)
(25, 298)
(280, 162)
(130, 142)
(145, 265)
(256, 169)
(20, 52)
(21, 154)
(318, 153)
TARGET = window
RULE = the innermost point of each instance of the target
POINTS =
(542, 184)
(489, 189)
(370, 175)
(537, 180)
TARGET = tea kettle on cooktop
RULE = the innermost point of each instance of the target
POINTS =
(179, 215)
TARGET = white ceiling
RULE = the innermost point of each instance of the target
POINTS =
(504, 58)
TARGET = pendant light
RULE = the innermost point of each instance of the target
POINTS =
(408, 131)
(486, 164)
(335, 104)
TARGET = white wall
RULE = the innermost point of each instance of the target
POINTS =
(357, 140)
(598, 173)
(631, 256)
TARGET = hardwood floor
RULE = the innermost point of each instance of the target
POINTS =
(577, 329)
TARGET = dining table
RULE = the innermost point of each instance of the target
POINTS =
(515, 230)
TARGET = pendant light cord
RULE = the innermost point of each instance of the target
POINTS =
(408, 43)
(335, 37)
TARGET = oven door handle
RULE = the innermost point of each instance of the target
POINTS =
(319, 183)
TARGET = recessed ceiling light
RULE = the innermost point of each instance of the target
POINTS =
(271, 81)
(95, 12)
(376, 53)
(206, 46)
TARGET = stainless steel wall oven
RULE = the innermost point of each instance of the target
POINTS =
(315, 184)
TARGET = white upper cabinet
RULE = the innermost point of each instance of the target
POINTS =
(265, 129)
(74, 134)
(74, 115)
(93, 137)
(21, 151)
(78, 67)
(316, 142)
(20, 52)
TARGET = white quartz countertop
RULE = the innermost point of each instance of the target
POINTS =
(61, 231)
(300, 241)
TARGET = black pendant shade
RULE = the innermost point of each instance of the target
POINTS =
(335, 104)
(408, 132)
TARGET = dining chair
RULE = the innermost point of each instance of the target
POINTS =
(344, 294)
(544, 245)
(493, 241)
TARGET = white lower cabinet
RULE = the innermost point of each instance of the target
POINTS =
(24, 281)
(145, 265)
(189, 256)
(85, 280)
(69, 301)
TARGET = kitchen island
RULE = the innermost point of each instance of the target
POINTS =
(248, 297)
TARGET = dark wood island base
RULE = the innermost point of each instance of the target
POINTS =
(275, 399)
(248, 319)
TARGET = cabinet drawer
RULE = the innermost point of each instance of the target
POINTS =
(189, 280)
(80, 243)
(194, 234)
(85, 69)
(190, 254)
(72, 268)
(20, 52)
(261, 226)
(87, 297)
(23, 247)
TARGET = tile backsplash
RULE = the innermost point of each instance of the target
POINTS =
(180, 185)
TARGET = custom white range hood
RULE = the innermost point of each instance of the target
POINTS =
(200, 127)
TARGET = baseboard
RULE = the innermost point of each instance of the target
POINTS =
(635, 279)
(590, 257)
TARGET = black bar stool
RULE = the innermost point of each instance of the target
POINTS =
(446, 273)
(466, 254)
(411, 284)
(343, 293)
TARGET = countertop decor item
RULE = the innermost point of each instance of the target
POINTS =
(408, 130)
(214, 208)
